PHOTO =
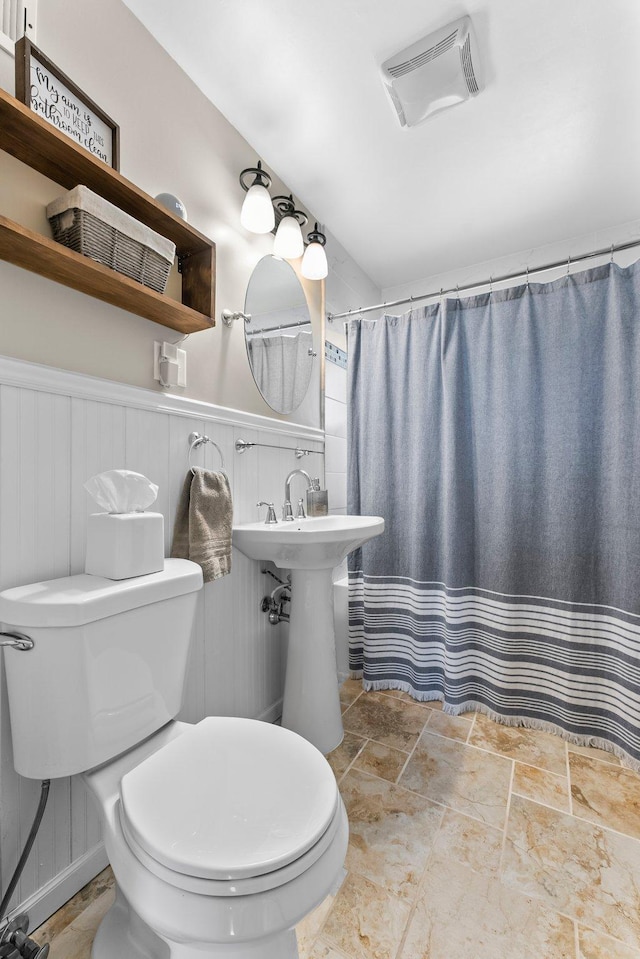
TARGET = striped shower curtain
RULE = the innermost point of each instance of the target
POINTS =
(499, 437)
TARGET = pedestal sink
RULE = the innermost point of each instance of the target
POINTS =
(310, 548)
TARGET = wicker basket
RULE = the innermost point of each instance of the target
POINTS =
(84, 222)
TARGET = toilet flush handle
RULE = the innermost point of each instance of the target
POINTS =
(17, 641)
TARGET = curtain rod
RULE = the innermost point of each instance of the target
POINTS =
(526, 274)
(282, 326)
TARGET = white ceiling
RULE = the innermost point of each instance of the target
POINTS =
(550, 149)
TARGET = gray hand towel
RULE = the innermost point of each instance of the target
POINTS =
(202, 530)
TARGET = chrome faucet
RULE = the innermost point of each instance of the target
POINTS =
(287, 512)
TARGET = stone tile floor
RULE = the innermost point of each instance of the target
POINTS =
(467, 839)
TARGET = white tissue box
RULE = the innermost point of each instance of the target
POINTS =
(122, 545)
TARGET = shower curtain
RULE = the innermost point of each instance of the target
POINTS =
(281, 367)
(499, 437)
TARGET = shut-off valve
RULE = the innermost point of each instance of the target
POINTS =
(15, 943)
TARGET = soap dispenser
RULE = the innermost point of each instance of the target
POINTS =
(317, 499)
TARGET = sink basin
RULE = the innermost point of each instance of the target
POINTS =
(314, 543)
(310, 548)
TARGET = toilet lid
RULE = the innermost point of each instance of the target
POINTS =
(230, 799)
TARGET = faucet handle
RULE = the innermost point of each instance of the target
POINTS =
(287, 512)
(301, 513)
(271, 517)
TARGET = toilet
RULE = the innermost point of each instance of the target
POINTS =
(222, 835)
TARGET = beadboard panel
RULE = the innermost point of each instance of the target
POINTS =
(35, 525)
(57, 430)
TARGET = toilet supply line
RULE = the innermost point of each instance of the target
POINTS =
(13, 932)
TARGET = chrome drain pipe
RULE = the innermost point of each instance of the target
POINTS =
(274, 604)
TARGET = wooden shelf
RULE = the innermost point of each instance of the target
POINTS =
(37, 253)
(34, 141)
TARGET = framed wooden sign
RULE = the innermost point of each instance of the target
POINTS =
(54, 97)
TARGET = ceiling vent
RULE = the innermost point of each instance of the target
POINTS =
(435, 73)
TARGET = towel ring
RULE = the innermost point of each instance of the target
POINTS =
(199, 439)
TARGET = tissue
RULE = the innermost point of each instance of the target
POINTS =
(124, 541)
(122, 491)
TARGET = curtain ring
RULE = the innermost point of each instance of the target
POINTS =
(568, 264)
(458, 292)
(527, 277)
(612, 252)
(490, 285)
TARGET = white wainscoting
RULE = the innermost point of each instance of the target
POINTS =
(56, 430)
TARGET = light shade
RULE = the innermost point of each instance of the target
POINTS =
(314, 262)
(288, 242)
(257, 214)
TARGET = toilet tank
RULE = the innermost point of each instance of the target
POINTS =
(107, 668)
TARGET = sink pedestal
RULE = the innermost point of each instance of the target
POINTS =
(311, 704)
(310, 548)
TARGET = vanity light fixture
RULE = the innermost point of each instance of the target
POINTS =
(257, 213)
(288, 244)
(314, 261)
(260, 214)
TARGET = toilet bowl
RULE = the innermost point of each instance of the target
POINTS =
(232, 895)
(222, 835)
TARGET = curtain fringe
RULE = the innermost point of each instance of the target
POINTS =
(523, 722)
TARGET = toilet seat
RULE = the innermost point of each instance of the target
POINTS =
(233, 804)
(219, 888)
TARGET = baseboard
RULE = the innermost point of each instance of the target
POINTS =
(53, 895)
(271, 713)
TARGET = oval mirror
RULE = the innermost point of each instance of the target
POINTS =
(278, 335)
